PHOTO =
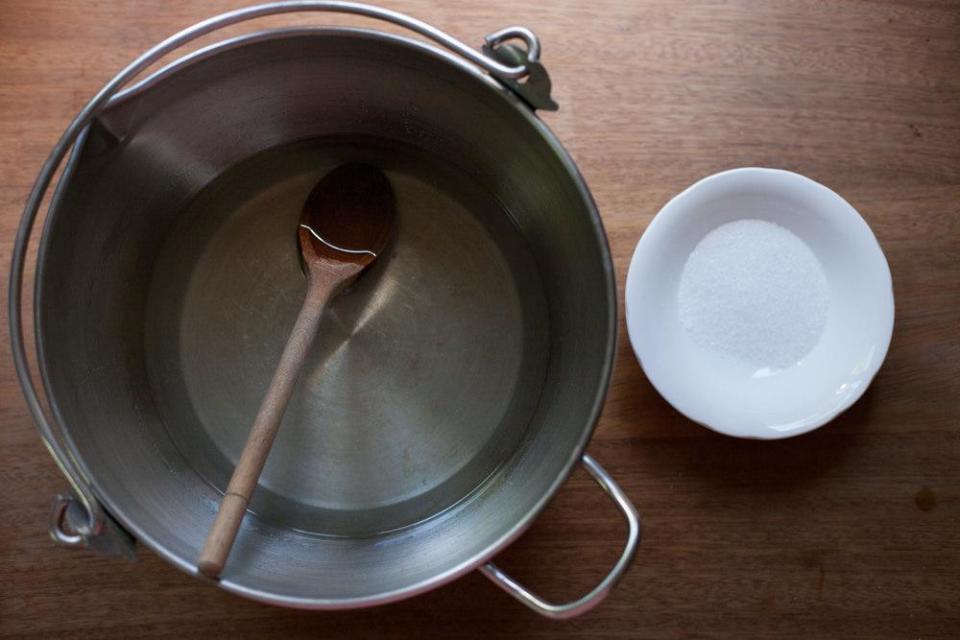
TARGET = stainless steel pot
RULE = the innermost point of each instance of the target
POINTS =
(445, 404)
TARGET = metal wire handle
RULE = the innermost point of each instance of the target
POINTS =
(598, 593)
(53, 439)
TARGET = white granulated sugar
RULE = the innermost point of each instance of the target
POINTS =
(752, 290)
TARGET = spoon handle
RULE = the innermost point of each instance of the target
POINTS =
(220, 539)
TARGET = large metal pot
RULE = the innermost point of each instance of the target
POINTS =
(446, 402)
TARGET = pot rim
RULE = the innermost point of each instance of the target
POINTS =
(188, 565)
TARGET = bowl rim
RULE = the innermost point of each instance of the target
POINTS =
(675, 207)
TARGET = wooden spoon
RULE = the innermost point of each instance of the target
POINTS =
(345, 225)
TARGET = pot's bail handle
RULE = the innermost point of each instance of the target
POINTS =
(596, 596)
(79, 520)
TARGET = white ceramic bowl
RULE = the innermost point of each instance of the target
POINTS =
(742, 399)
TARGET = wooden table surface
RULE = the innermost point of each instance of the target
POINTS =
(850, 532)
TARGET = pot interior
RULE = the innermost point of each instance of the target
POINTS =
(448, 394)
(423, 378)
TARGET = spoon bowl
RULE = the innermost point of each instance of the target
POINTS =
(347, 217)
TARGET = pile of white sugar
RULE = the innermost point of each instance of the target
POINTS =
(753, 291)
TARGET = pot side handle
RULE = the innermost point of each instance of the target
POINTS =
(596, 596)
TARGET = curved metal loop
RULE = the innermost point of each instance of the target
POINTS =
(53, 439)
(596, 596)
(516, 33)
(92, 521)
(58, 513)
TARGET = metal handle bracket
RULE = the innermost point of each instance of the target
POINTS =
(534, 88)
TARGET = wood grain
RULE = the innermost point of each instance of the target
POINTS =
(849, 532)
